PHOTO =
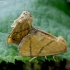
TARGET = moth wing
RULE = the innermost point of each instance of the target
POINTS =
(31, 44)
(39, 44)
(21, 27)
(55, 47)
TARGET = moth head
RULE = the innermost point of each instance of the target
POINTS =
(25, 16)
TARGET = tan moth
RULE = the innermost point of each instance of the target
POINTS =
(34, 42)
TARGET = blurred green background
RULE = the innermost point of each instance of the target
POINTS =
(52, 16)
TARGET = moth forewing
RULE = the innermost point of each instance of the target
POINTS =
(42, 44)
(22, 26)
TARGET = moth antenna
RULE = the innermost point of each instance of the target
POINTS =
(32, 59)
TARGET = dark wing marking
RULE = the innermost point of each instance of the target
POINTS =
(44, 46)
(30, 48)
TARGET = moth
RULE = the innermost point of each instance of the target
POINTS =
(34, 42)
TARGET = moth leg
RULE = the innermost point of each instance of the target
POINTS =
(32, 59)
(54, 57)
(45, 57)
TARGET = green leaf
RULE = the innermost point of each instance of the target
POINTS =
(49, 15)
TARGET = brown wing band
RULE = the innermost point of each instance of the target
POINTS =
(30, 48)
(16, 39)
(20, 31)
